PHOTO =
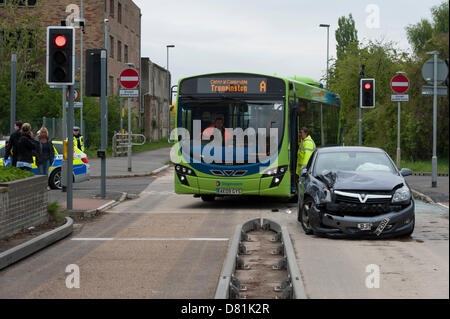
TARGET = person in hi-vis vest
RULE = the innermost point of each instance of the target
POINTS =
(305, 149)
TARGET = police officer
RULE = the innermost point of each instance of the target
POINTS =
(305, 149)
(11, 148)
(78, 138)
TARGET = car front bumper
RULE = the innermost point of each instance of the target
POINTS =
(330, 225)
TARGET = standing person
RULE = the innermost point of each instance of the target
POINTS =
(11, 148)
(46, 152)
(78, 138)
(26, 147)
(305, 149)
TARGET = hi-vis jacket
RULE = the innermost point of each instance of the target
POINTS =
(305, 150)
(75, 142)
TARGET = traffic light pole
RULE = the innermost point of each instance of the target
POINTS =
(361, 74)
(103, 123)
(70, 124)
(64, 133)
(13, 92)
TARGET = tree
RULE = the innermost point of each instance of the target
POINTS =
(440, 18)
(345, 34)
(22, 34)
(418, 34)
(421, 33)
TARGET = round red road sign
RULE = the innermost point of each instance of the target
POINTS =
(76, 95)
(129, 78)
(400, 84)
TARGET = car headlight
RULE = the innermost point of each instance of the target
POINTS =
(401, 195)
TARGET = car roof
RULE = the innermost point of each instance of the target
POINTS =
(338, 149)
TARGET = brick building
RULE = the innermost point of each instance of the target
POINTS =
(124, 36)
(155, 100)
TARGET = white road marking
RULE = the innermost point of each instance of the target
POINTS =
(150, 239)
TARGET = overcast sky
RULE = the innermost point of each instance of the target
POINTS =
(265, 36)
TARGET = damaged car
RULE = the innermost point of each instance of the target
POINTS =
(354, 192)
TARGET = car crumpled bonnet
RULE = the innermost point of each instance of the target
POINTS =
(319, 187)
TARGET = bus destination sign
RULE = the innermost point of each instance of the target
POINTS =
(232, 85)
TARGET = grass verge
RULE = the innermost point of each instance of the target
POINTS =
(425, 166)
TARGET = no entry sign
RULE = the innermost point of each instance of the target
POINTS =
(129, 78)
(400, 84)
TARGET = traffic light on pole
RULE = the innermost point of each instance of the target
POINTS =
(60, 55)
(367, 93)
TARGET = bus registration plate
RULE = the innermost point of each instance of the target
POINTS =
(229, 191)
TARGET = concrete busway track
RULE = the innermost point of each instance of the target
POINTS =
(163, 245)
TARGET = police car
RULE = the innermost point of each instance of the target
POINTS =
(81, 168)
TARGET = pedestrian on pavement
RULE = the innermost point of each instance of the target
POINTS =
(11, 147)
(305, 149)
(46, 153)
(78, 138)
(26, 148)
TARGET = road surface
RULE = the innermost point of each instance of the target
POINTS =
(164, 245)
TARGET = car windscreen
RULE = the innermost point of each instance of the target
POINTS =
(354, 162)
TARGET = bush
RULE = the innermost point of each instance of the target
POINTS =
(9, 174)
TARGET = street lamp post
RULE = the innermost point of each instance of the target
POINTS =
(168, 90)
(328, 44)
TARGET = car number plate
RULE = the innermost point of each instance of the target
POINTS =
(382, 226)
(229, 191)
(365, 226)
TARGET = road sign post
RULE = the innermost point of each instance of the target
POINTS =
(434, 71)
(399, 84)
(129, 79)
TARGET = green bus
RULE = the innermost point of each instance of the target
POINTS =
(269, 110)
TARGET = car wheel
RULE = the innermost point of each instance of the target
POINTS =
(208, 198)
(303, 215)
(55, 179)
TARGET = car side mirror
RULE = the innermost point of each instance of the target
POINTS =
(304, 172)
(406, 172)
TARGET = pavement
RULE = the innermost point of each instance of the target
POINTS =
(421, 185)
(86, 198)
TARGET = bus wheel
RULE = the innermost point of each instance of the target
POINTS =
(293, 199)
(208, 198)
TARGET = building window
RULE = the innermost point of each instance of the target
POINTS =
(119, 50)
(111, 8)
(119, 12)
(111, 86)
(111, 46)
(125, 55)
(21, 3)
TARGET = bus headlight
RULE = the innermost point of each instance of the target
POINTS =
(401, 195)
(182, 172)
(277, 174)
(277, 171)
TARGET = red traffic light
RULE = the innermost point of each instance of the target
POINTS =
(60, 41)
(367, 86)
